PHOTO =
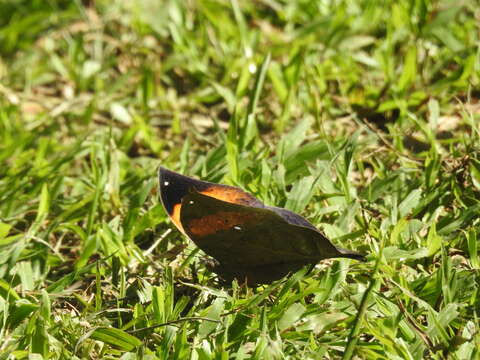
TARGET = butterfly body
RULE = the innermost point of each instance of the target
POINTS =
(250, 241)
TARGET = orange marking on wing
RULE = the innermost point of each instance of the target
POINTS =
(231, 195)
(222, 220)
(175, 216)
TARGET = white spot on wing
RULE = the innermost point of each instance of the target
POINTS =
(237, 228)
(190, 202)
(166, 183)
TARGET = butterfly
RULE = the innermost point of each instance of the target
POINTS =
(250, 241)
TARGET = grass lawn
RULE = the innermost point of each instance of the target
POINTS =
(363, 116)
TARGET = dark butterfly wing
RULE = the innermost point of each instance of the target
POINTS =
(250, 241)
(173, 187)
(295, 219)
(256, 244)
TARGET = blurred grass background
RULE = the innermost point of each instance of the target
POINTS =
(363, 116)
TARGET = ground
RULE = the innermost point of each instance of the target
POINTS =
(361, 116)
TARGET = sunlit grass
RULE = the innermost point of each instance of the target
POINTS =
(361, 116)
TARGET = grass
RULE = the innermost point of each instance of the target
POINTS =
(362, 116)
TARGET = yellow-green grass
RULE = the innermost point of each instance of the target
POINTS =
(362, 116)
